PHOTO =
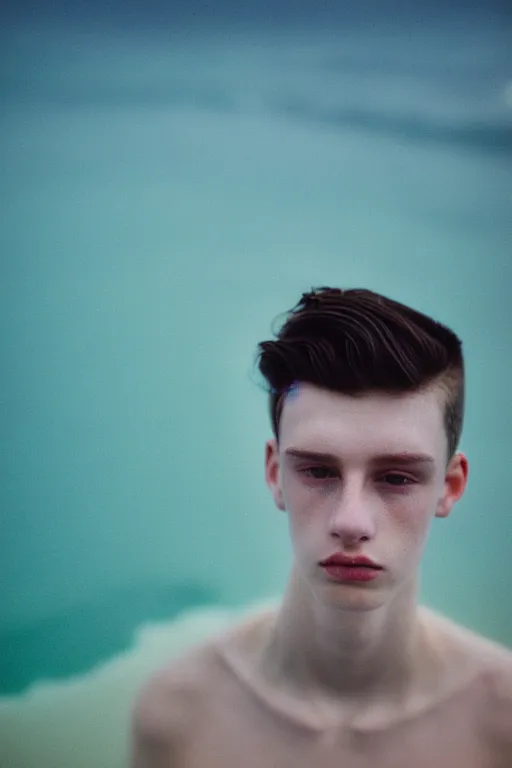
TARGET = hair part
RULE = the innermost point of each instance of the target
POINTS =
(355, 341)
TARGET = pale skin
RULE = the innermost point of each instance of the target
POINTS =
(342, 675)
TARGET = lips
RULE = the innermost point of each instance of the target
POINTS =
(347, 561)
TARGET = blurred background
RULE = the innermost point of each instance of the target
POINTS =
(172, 178)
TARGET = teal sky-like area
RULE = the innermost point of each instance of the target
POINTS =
(163, 202)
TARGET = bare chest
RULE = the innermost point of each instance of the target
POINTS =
(443, 740)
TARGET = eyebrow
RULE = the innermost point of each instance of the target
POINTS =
(381, 458)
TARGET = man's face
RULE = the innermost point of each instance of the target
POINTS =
(361, 501)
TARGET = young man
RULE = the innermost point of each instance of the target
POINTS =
(367, 401)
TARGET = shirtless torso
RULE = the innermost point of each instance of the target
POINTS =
(210, 709)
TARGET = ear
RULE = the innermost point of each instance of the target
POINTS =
(272, 473)
(454, 484)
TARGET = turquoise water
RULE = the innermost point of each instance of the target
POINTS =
(165, 197)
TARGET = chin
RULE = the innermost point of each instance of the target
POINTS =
(352, 599)
(341, 597)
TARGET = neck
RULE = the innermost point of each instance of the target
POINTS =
(346, 654)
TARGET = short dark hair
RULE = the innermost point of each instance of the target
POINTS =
(355, 341)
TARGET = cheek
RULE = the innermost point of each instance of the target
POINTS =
(407, 526)
(304, 522)
(303, 504)
(302, 518)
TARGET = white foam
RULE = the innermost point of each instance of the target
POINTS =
(83, 722)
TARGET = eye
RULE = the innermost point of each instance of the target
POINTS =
(325, 473)
(317, 473)
(397, 479)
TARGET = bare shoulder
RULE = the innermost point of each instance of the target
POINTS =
(487, 668)
(165, 700)
(496, 689)
(178, 696)
(164, 712)
(495, 694)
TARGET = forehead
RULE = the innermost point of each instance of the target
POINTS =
(315, 418)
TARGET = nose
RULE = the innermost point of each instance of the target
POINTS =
(352, 519)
